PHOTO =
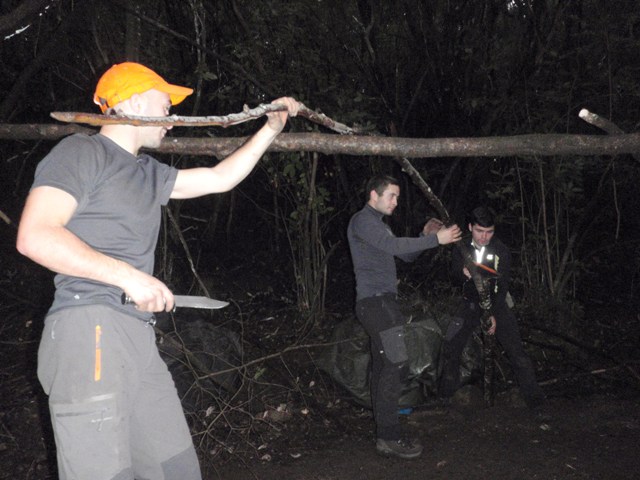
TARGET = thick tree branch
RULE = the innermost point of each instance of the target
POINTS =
(358, 145)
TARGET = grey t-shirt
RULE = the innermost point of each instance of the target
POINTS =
(373, 248)
(119, 209)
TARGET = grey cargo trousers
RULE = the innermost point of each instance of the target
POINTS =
(114, 407)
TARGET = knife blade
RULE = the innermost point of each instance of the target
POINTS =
(189, 301)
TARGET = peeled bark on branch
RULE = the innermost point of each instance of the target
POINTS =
(224, 121)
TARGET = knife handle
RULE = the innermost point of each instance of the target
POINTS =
(126, 300)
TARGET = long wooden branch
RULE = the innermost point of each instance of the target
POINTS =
(361, 145)
(224, 121)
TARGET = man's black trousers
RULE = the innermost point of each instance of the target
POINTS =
(384, 322)
(467, 319)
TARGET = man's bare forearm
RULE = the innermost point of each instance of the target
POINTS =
(224, 176)
(59, 250)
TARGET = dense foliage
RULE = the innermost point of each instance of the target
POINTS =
(409, 68)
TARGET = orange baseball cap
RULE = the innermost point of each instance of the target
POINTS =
(123, 80)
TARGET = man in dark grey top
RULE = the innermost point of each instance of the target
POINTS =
(93, 216)
(373, 250)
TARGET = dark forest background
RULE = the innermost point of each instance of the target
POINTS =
(276, 245)
(408, 69)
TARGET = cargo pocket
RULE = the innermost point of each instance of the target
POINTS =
(393, 344)
(90, 430)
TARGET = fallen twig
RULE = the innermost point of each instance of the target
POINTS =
(275, 355)
(597, 371)
(592, 350)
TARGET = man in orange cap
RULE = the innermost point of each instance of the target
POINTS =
(92, 216)
(122, 81)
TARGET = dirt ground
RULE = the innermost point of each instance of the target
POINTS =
(595, 437)
(589, 435)
(591, 430)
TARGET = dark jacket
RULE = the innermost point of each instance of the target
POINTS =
(497, 257)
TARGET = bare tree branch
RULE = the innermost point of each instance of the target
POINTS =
(600, 122)
(21, 16)
(5, 218)
(603, 124)
(224, 121)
